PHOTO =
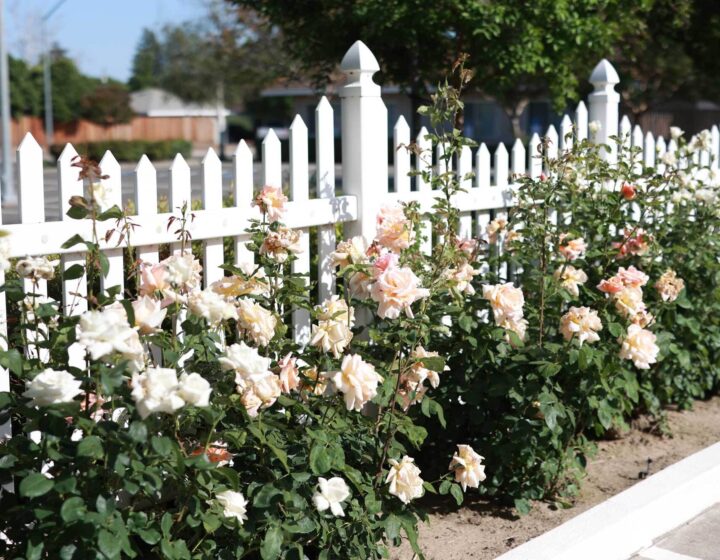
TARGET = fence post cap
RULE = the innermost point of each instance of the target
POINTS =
(604, 74)
(359, 58)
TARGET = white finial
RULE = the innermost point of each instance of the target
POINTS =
(359, 63)
(604, 76)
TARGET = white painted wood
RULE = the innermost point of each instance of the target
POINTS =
(638, 143)
(714, 147)
(465, 178)
(110, 168)
(625, 133)
(581, 122)
(213, 256)
(535, 156)
(243, 195)
(518, 156)
(325, 186)
(74, 292)
(604, 105)
(553, 142)
(271, 160)
(649, 150)
(401, 139)
(299, 191)
(566, 133)
(482, 167)
(424, 165)
(501, 165)
(443, 165)
(32, 212)
(146, 202)
(180, 195)
(660, 148)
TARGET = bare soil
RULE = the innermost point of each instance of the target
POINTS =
(483, 531)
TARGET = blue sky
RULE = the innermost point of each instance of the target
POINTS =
(100, 35)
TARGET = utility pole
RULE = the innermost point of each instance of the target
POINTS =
(8, 184)
(47, 77)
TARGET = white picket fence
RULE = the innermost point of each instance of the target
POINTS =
(365, 184)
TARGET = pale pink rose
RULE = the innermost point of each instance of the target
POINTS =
(570, 278)
(468, 246)
(581, 323)
(612, 285)
(382, 263)
(642, 318)
(669, 286)
(357, 380)
(468, 467)
(359, 285)
(336, 309)
(350, 251)
(394, 230)
(261, 392)
(632, 277)
(517, 325)
(639, 345)
(395, 290)
(271, 202)
(494, 229)
(506, 301)
(153, 279)
(573, 248)
(279, 245)
(331, 336)
(461, 278)
(289, 374)
(635, 242)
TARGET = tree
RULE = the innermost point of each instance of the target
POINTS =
(107, 104)
(519, 50)
(69, 86)
(147, 63)
(25, 95)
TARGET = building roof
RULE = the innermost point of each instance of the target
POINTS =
(155, 102)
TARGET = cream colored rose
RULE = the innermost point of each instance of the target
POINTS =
(107, 332)
(237, 286)
(570, 278)
(36, 268)
(506, 301)
(468, 467)
(395, 290)
(52, 386)
(261, 392)
(639, 345)
(573, 248)
(350, 251)
(461, 278)
(279, 245)
(495, 228)
(517, 325)
(255, 321)
(102, 194)
(153, 279)
(357, 380)
(194, 389)
(331, 336)
(359, 285)
(246, 362)
(632, 277)
(330, 494)
(581, 323)
(404, 480)
(211, 306)
(183, 272)
(32, 302)
(629, 302)
(669, 286)
(149, 314)
(394, 230)
(271, 202)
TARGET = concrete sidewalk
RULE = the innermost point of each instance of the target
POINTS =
(699, 539)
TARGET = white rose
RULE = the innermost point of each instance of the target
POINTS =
(330, 494)
(149, 314)
(108, 332)
(211, 306)
(331, 336)
(357, 380)
(183, 271)
(234, 504)
(102, 194)
(52, 387)
(4, 252)
(676, 132)
(639, 345)
(194, 389)
(36, 267)
(468, 467)
(245, 362)
(255, 321)
(156, 390)
(260, 392)
(594, 127)
(404, 479)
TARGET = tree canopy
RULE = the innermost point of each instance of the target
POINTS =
(518, 50)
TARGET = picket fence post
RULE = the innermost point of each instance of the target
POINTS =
(364, 139)
(604, 106)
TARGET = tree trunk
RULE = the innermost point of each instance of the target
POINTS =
(514, 112)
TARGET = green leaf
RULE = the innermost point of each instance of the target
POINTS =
(272, 544)
(34, 485)
(392, 526)
(138, 432)
(77, 212)
(104, 264)
(615, 329)
(74, 272)
(74, 240)
(166, 523)
(90, 446)
(433, 363)
(73, 509)
(320, 460)
(280, 454)
(522, 506)
(109, 544)
(110, 214)
(162, 445)
(457, 493)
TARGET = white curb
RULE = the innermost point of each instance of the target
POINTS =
(630, 521)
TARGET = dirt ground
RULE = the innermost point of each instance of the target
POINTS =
(483, 531)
